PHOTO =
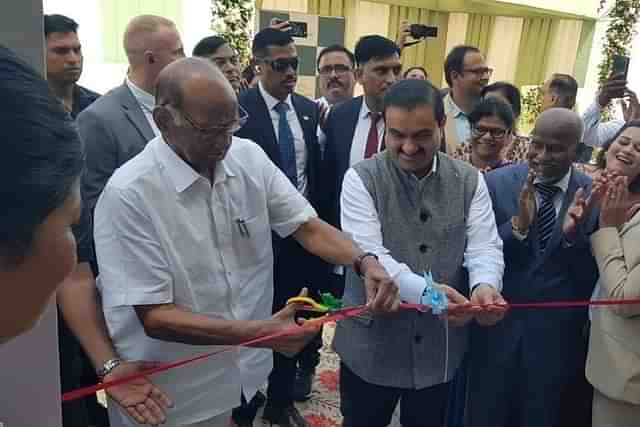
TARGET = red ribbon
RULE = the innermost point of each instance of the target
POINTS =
(342, 314)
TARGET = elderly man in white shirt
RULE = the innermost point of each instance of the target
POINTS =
(183, 239)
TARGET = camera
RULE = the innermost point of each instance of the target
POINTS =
(298, 29)
(419, 31)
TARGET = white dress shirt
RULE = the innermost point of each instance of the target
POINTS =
(483, 255)
(296, 129)
(596, 134)
(164, 234)
(147, 103)
(359, 143)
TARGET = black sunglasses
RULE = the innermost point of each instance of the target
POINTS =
(281, 65)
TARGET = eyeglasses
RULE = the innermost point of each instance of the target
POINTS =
(224, 129)
(281, 65)
(339, 69)
(480, 72)
(495, 133)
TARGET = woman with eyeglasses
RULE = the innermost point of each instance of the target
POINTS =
(613, 363)
(492, 124)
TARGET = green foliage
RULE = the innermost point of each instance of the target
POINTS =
(622, 20)
(231, 20)
(531, 108)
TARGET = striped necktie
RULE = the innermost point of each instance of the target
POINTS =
(546, 212)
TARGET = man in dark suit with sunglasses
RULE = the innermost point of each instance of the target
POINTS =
(285, 125)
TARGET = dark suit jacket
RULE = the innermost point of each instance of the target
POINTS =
(294, 267)
(114, 129)
(552, 340)
(259, 129)
(340, 128)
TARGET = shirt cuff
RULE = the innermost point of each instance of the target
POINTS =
(486, 278)
(411, 287)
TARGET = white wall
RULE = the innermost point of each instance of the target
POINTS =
(101, 76)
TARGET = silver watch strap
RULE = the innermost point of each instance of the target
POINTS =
(107, 367)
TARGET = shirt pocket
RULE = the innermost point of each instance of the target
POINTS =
(251, 239)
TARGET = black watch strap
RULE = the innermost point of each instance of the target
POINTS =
(357, 264)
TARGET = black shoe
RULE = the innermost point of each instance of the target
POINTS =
(302, 385)
(287, 417)
(244, 415)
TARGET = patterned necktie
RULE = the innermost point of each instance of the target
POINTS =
(372, 138)
(286, 144)
(546, 212)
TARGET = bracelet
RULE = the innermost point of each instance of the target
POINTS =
(357, 264)
(107, 367)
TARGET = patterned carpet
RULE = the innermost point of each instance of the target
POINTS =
(323, 409)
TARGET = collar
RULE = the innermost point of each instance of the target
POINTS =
(271, 101)
(182, 175)
(451, 107)
(364, 110)
(563, 183)
(411, 177)
(145, 99)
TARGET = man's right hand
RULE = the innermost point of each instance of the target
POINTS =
(614, 87)
(527, 204)
(143, 401)
(297, 337)
(382, 292)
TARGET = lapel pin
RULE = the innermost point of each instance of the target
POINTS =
(305, 117)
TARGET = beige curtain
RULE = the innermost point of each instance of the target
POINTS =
(564, 48)
(429, 54)
(535, 44)
(502, 55)
(480, 30)
(288, 5)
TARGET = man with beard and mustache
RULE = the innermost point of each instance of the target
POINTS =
(466, 74)
(285, 125)
(523, 372)
(64, 63)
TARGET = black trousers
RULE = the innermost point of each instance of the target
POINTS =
(368, 405)
(76, 372)
(294, 269)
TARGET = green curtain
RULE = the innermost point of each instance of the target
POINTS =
(537, 37)
(480, 30)
(116, 14)
(429, 54)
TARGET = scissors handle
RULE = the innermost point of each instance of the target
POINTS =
(310, 303)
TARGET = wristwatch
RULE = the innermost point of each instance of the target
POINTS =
(357, 264)
(107, 367)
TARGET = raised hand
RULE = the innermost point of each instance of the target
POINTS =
(615, 208)
(143, 401)
(527, 204)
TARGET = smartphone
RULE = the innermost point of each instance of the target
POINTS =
(419, 31)
(298, 29)
(620, 68)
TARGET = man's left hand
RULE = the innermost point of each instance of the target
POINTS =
(143, 401)
(495, 306)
